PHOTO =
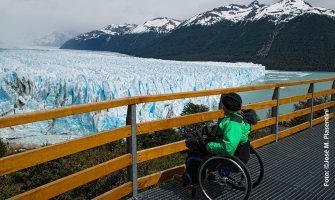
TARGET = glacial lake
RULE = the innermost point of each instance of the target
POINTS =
(272, 76)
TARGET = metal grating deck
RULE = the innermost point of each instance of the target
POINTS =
(293, 170)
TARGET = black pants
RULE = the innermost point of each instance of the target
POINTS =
(193, 161)
(243, 152)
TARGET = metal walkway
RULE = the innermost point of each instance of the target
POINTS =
(294, 169)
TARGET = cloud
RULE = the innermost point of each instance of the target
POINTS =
(24, 18)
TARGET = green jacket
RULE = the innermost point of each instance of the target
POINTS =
(229, 135)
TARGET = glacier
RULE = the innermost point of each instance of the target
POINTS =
(39, 79)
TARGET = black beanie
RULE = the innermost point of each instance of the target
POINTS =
(231, 101)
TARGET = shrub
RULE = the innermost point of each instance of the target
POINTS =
(191, 108)
(3, 148)
(304, 104)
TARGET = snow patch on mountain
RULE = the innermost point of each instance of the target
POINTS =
(282, 11)
(322, 11)
(234, 13)
(286, 10)
(159, 25)
(109, 30)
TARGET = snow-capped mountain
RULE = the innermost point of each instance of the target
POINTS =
(159, 25)
(286, 34)
(55, 38)
(109, 30)
(282, 11)
(286, 10)
(233, 12)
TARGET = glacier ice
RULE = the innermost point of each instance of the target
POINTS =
(34, 80)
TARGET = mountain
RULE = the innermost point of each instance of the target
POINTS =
(234, 13)
(158, 25)
(56, 39)
(110, 30)
(124, 38)
(288, 35)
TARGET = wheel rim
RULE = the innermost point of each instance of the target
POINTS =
(255, 167)
(227, 180)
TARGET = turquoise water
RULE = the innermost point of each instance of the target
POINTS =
(284, 76)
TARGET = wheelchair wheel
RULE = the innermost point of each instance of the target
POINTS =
(255, 167)
(224, 178)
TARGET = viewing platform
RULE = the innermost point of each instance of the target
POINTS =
(294, 169)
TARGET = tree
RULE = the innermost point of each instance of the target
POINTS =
(191, 108)
(304, 104)
(158, 138)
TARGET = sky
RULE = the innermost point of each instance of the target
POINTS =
(23, 19)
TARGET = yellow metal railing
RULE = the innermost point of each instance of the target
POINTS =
(34, 157)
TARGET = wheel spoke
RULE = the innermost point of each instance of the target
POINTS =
(222, 182)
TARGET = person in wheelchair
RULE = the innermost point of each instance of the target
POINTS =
(230, 138)
(232, 135)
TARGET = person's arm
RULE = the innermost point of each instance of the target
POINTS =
(232, 136)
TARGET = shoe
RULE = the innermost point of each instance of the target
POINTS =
(191, 189)
(178, 179)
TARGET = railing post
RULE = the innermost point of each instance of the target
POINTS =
(310, 104)
(132, 148)
(332, 98)
(275, 112)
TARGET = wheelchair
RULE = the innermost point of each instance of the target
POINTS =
(222, 177)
